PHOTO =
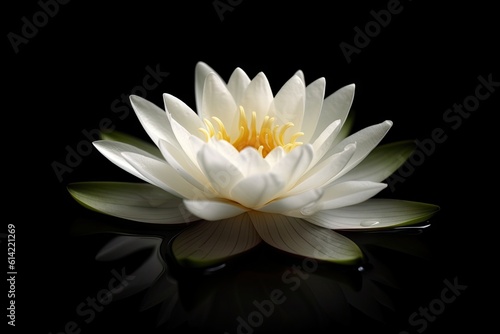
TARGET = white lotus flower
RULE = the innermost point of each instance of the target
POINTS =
(251, 166)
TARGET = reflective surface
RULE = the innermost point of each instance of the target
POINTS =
(134, 282)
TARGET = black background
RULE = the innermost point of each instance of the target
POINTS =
(65, 78)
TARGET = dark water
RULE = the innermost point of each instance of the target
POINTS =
(123, 277)
(80, 272)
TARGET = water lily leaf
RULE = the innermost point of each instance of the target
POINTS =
(134, 201)
(374, 213)
(381, 162)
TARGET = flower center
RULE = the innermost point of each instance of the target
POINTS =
(269, 137)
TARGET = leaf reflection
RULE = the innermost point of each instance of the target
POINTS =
(265, 289)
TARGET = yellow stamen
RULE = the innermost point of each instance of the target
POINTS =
(269, 137)
(295, 136)
(210, 127)
(222, 130)
(205, 132)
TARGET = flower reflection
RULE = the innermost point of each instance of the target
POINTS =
(267, 290)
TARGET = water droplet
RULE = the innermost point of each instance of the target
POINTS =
(369, 223)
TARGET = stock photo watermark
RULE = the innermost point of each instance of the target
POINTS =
(224, 7)
(11, 273)
(87, 310)
(363, 36)
(121, 107)
(453, 119)
(31, 25)
(421, 318)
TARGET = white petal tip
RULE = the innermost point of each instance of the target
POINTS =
(202, 64)
(260, 75)
(135, 98)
